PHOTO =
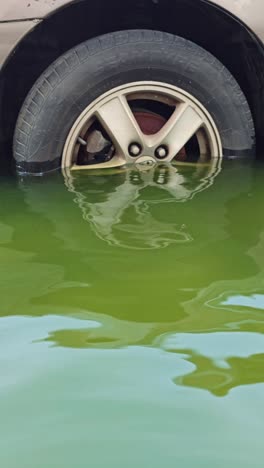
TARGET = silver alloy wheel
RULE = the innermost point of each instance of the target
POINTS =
(130, 144)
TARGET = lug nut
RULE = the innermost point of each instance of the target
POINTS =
(134, 149)
(161, 152)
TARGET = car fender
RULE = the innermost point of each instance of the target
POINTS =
(250, 12)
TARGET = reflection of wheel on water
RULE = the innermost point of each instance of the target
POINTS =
(105, 209)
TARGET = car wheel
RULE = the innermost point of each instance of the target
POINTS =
(132, 97)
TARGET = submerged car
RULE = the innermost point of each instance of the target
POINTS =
(113, 82)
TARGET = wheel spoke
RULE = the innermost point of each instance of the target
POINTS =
(120, 124)
(179, 129)
(116, 161)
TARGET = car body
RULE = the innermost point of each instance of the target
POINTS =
(25, 14)
(35, 33)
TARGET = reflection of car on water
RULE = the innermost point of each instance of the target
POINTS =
(95, 294)
(80, 239)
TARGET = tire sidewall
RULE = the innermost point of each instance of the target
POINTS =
(114, 63)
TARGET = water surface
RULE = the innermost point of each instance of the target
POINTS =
(132, 319)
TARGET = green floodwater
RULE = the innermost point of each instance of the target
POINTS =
(132, 319)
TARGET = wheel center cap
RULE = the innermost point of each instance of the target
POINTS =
(145, 162)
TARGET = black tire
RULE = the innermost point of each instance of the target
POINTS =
(78, 77)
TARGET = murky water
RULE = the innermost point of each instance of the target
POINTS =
(132, 319)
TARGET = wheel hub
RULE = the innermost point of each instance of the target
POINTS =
(145, 162)
(149, 123)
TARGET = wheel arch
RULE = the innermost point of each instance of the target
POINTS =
(201, 21)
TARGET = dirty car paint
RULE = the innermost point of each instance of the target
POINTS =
(28, 9)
